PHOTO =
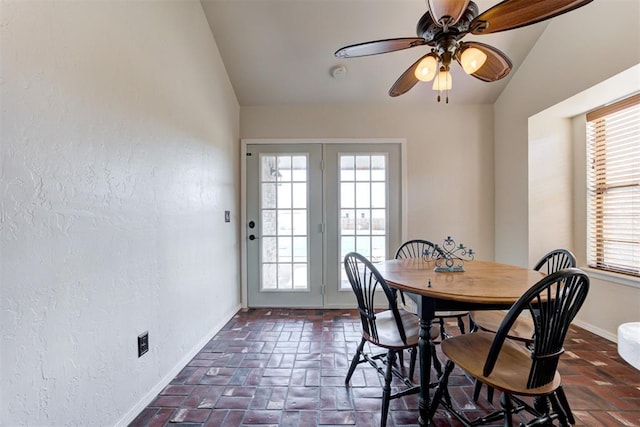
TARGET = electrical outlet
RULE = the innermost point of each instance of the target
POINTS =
(143, 343)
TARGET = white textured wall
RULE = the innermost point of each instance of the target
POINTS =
(576, 51)
(449, 158)
(119, 155)
(550, 187)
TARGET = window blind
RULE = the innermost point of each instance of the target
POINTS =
(613, 187)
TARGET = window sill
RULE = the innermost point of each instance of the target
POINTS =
(609, 276)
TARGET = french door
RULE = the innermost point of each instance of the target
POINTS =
(362, 205)
(307, 206)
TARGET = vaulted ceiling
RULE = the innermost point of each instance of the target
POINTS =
(280, 52)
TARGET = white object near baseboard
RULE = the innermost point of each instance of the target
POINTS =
(629, 343)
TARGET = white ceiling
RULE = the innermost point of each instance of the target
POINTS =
(280, 52)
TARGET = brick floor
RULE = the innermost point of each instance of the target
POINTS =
(282, 367)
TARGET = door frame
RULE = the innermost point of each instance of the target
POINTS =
(283, 141)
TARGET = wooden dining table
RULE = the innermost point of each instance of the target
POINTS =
(483, 285)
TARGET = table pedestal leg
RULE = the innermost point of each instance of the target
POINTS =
(424, 348)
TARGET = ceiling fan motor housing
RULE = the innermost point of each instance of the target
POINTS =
(429, 30)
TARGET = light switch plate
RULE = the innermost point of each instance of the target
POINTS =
(143, 343)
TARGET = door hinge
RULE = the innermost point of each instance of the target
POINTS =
(321, 228)
(322, 289)
(322, 165)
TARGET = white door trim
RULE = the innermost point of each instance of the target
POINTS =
(243, 186)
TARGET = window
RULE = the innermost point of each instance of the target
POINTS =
(613, 187)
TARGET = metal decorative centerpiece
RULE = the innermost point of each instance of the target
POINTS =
(450, 258)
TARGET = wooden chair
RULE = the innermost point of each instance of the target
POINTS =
(509, 366)
(522, 329)
(393, 330)
(418, 248)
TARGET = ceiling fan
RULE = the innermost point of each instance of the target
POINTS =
(443, 26)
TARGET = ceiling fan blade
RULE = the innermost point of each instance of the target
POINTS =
(407, 80)
(497, 65)
(379, 46)
(510, 14)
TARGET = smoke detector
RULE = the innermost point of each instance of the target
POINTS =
(338, 72)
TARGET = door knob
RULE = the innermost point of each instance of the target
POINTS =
(252, 237)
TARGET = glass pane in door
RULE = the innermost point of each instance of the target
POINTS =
(363, 207)
(285, 217)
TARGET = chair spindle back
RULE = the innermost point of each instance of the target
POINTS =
(556, 260)
(365, 280)
(553, 302)
(417, 248)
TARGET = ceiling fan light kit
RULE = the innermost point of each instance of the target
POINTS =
(472, 59)
(443, 81)
(443, 26)
(427, 68)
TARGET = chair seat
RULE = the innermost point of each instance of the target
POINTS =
(450, 313)
(490, 320)
(388, 336)
(511, 371)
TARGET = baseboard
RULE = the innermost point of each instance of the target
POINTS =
(595, 330)
(147, 398)
(347, 306)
